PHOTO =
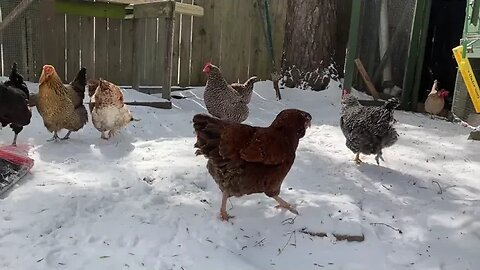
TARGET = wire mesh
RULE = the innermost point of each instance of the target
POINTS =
(384, 43)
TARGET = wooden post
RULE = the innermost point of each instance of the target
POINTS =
(167, 81)
(416, 52)
(352, 44)
(135, 62)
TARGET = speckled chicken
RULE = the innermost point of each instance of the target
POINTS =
(368, 130)
(244, 160)
(61, 106)
(221, 99)
(109, 113)
(245, 89)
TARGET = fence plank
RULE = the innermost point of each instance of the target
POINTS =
(176, 49)
(228, 39)
(53, 41)
(150, 49)
(278, 14)
(87, 45)
(73, 46)
(160, 52)
(126, 53)
(198, 42)
(185, 46)
(113, 46)
(101, 48)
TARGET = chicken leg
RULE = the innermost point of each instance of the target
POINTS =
(67, 136)
(379, 157)
(223, 209)
(105, 135)
(14, 143)
(285, 205)
(357, 159)
(54, 138)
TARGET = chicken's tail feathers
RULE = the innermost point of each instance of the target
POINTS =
(391, 104)
(80, 82)
(252, 80)
(208, 130)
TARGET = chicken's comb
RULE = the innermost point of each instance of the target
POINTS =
(345, 93)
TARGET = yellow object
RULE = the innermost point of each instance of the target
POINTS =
(468, 77)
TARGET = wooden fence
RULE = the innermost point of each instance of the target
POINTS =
(229, 34)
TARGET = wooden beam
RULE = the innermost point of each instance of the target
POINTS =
(352, 44)
(167, 79)
(366, 79)
(92, 9)
(153, 10)
(19, 9)
(188, 9)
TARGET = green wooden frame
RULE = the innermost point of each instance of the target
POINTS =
(416, 53)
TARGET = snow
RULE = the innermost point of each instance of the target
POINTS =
(142, 200)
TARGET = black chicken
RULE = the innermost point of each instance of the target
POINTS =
(14, 108)
(368, 130)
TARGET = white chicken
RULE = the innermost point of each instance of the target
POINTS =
(109, 113)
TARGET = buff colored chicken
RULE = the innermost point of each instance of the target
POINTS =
(436, 100)
(109, 113)
(61, 106)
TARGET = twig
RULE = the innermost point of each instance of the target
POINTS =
(385, 187)
(438, 184)
(389, 226)
(289, 221)
(292, 233)
(259, 243)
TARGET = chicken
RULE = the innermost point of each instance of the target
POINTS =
(14, 108)
(109, 113)
(368, 130)
(221, 99)
(435, 100)
(243, 159)
(245, 89)
(61, 106)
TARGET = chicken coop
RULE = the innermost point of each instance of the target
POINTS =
(149, 45)
(386, 47)
(463, 106)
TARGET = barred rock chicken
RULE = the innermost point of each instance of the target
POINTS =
(368, 130)
(245, 89)
(222, 100)
(436, 100)
(14, 108)
(61, 106)
(109, 113)
(243, 159)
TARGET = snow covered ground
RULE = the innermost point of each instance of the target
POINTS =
(144, 201)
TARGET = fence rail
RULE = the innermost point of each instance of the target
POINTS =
(229, 34)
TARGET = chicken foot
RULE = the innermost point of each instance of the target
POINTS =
(54, 138)
(285, 205)
(357, 159)
(379, 157)
(223, 209)
(66, 136)
(105, 135)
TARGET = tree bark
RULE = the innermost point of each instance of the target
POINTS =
(310, 34)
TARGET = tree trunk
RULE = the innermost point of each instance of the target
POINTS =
(310, 34)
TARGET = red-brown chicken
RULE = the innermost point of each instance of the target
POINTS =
(243, 159)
